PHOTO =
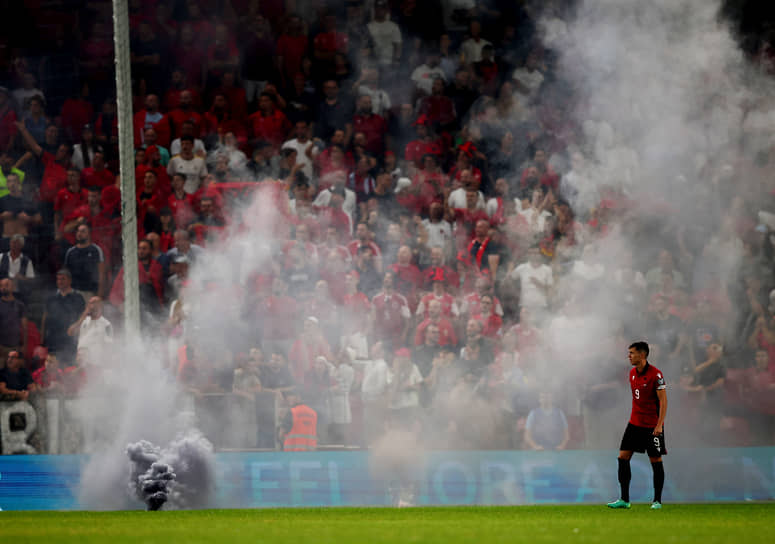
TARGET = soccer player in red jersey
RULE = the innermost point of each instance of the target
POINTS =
(645, 431)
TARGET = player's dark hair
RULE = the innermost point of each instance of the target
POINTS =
(642, 347)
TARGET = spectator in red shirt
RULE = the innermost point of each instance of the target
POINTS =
(189, 53)
(236, 95)
(390, 314)
(151, 276)
(372, 125)
(180, 202)
(268, 123)
(329, 42)
(291, 48)
(363, 237)
(355, 306)
(150, 201)
(97, 175)
(487, 72)
(308, 346)
(447, 336)
(222, 56)
(438, 278)
(55, 166)
(150, 116)
(438, 108)
(278, 313)
(68, 199)
(407, 277)
(491, 321)
(77, 111)
(179, 85)
(185, 112)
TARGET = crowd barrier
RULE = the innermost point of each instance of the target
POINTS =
(276, 479)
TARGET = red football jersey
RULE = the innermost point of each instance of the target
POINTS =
(645, 403)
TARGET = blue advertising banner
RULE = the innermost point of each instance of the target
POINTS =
(276, 479)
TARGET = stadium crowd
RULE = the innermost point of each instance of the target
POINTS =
(431, 260)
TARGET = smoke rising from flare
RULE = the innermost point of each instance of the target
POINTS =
(181, 475)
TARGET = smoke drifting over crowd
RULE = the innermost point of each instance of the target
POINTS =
(660, 109)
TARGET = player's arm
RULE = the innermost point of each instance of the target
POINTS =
(662, 396)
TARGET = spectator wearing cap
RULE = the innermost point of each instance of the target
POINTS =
(436, 276)
(424, 75)
(385, 36)
(151, 117)
(188, 163)
(62, 310)
(349, 198)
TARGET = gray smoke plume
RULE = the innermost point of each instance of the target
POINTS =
(181, 475)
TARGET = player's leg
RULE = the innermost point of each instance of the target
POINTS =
(655, 452)
(629, 444)
(625, 473)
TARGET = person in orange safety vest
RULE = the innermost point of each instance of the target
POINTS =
(300, 425)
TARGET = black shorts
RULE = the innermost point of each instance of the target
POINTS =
(642, 439)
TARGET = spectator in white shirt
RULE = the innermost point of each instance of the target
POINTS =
(189, 164)
(306, 151)
(535, 279)
(472, 47)
(385, 35)
(187, 129)
(424, 74)
(95, 333)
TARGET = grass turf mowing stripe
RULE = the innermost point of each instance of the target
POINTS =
(682, 523)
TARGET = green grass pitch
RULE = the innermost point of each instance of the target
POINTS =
(706, 523)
